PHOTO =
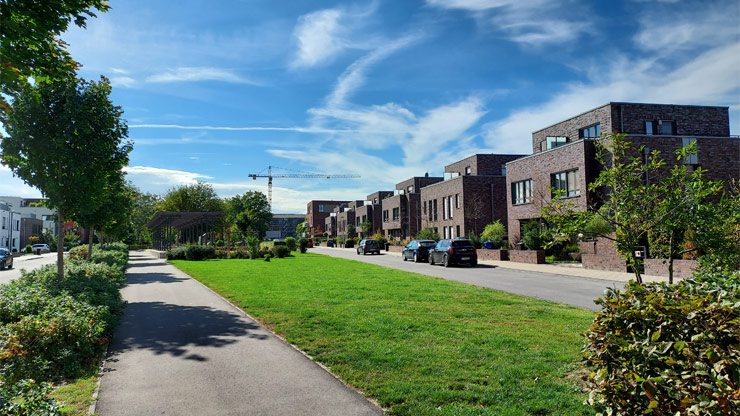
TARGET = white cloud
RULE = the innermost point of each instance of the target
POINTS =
(125, 82)
(297, 129)
(189, 74)
(710, 78)
(530, 22)
(318, 35)
(159, 180)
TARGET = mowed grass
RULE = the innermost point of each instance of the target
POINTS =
(417, 345)
(77, 394)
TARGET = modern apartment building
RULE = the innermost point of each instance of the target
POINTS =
(564, 154)
(372, 212)
(472, 195)
(401, 213)
(316, 213)
(284, 225)
(10, 227)
(28, 208)
(345, 215)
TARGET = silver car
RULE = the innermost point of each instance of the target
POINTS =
(6, 259)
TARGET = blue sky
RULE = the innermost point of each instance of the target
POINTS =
(215, 90)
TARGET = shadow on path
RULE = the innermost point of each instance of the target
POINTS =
(158, 277)
(172, 329)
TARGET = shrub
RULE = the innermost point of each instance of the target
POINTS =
(281, 251)
(79, 252)
(28, 248)
(254, 247)
(197, 252)
(27, 397)
(428, 233)
(303, 244)
(291, 243)
(473, 237)
(176, 253)
(531, 236)
(666, 349)
(494, 233)
(349, 243)
(220, 243)
(381, 240)
(267, 257)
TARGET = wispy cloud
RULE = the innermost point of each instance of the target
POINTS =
(121, 81)
(190, 74)
(310, 130)
(156, 178)
(322, 35)
(530, 22)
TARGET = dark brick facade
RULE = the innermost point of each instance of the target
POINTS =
(316, 213)
(30, 227)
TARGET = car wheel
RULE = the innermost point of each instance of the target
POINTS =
(358, 251)
(416, 258)
(2, 266)
(403, 256)
(446, 261)
(431, 259)
(473, 263)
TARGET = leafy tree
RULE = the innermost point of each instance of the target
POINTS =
(64, 137)
(301, 229)
(427, 233)
(351, 230)
(144, 206)
(494, 233)
(366, 227)
(113, 212)
(198, 197)
(250, 213)
(29, 40)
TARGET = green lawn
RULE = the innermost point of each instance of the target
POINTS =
(417, 345)
(77, 394)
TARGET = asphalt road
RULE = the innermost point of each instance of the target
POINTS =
(28, 263)
(182, 350)
(571, 290)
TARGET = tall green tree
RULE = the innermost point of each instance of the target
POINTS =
(112, 214)
(198, 197)
(249, 213)
(143, 209)
(66, 138)
(30, 45)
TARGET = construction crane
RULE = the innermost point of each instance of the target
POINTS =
(298, 174)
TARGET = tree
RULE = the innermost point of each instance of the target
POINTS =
(64, 137)
(366, 227)
(144, 206)
(427, 233)
(29, 40)
(494, 233)
(474, 208)
(351, 230)
(198, 197)
(249, 213)
(301, 229)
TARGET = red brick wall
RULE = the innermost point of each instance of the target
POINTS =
(527, 256)
(569, 128)
(659, 267)
(496, 255)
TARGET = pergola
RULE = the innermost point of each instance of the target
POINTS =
(173, 228)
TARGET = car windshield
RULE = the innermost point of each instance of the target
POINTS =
(462, 244)
(3, 251)
(427, 243)
(371, 242)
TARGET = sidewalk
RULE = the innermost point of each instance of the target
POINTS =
(566, 269)
(183, 350)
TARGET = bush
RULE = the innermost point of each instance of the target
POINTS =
(428, 233)
(220, 243)
(666, 349)
(531, 236)
(349, 243)
(494, 233)
(197, 252)
(303, 244)
(267, 257)
(281, 251)
(79, 252)
(254, 247)
(473, 237)
(291, 243)
(27, 397)
(28, 249)
(177, 253)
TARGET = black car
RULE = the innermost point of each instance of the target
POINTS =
(455, 251)
(418, 250)
(368, 246)
(6, 259)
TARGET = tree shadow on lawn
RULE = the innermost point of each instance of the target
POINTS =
(165, 328)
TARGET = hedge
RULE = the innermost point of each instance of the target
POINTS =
(193, 252)
(667, 349)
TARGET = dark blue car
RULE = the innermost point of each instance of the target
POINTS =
(418, 250)
(455, 251)
(6, 259)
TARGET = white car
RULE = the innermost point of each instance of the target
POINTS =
(40, 247)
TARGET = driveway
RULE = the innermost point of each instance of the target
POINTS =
(576, 291)
(183, 350)
(28, 263)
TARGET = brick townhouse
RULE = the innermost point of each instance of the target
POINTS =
(372, 212)
(402, 211)
(345, 215)
(472, 195)
(316, 213)
(564, 154)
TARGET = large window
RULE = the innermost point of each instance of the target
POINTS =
(449, 204)
(590, 131)
(435, 210)
(521, 192)
(567, 182)
(385, 216)
(396, 214)
(662, 127)
(555, 141)
(691, 159)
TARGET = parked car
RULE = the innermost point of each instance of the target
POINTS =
(455, 251)
(418, 250)
(6, 259)
(40, 247)
(368, 246)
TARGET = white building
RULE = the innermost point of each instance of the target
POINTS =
(27, 210)
(10, 227)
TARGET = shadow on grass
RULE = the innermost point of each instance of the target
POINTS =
(174, 329)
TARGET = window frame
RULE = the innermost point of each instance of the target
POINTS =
(556, 142)
(569, 177)
(585, 133)
(526, 187)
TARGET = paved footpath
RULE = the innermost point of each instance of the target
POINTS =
(182, 350)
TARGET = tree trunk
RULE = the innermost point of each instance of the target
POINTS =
(60, 244)
(90, 242)
(636, 268)
(671, 254)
